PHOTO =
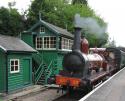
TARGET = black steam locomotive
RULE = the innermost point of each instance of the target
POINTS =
(83, 70)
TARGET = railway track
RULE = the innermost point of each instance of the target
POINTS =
(50, 94)
(77, 95)
(71, 97)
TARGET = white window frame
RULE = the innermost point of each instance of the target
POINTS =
(15, 71)
(42, 29)
(49, 43)
(63, 45)
(68, 45)
(43, 48)
(37, 44)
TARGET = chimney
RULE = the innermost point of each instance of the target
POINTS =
(77, 33)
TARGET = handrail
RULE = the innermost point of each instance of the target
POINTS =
(37, 77)
(41, 61)
(42, 70)
(38, 68)
(50, 69)
(51, 63)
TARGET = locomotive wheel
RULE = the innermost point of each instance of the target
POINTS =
(69, 90)
(88, 87)
(104, 79)
(64, 87)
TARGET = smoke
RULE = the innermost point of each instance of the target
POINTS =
(90, 25)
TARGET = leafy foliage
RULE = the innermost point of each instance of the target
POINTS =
(79, 2)
(57, 12)
(10, 22)
(61, 13)
(95, 41)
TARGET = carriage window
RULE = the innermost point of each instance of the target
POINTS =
(14, 65)
(46, 42)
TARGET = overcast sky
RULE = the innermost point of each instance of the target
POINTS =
(112, 11)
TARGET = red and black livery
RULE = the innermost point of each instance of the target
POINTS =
(83, 70)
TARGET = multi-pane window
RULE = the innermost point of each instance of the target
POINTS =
(42, 29)
(39, 42)
(67, 43)
(52, 42)
(70, 44)
(14, 65)
(46, 42)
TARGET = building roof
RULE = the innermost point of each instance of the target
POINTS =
(52, 27)
(8, 43)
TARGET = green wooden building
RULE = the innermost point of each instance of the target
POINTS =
(15, 64)
(52, 43)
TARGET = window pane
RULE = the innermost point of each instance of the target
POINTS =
(12, 68)
(52, 42)
(12, 62)
(49, 42)
(16, 62)
(39, 42)
(66, 43)
(42, 29)
(16, 68)
(38, 46)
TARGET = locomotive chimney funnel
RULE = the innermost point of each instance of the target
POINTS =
(77, 33)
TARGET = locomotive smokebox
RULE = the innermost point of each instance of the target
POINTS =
(74, 62)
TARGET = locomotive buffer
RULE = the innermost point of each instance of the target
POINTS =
(111, 90)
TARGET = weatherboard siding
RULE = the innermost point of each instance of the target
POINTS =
(28, 38)
(50, 30)
(15, 80)
(2, 72)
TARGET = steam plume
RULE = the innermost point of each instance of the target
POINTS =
(89, 25)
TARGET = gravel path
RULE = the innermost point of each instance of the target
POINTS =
(47, 95)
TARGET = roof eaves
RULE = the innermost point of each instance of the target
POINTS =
(21, 51)
(33, 27)
(3, 48)
(43, 22)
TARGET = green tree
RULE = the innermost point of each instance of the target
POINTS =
(61, 13)
(50, 10)
(79, 2)
(57, 12)
(10, 22)
(110, 43)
